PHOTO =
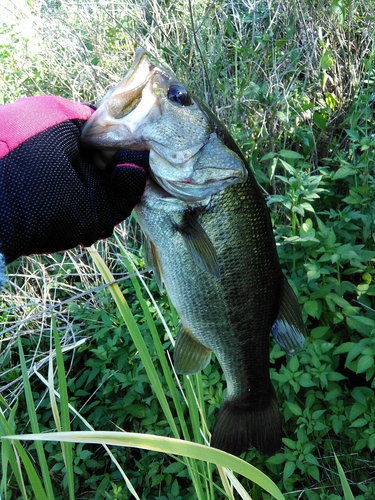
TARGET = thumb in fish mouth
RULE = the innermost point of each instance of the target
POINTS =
(107, 159)
(129, 156)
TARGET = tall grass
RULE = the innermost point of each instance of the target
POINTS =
(282, 76)
(194, 455)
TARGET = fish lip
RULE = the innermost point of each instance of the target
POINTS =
(187, 191)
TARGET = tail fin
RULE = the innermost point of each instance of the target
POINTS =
(238, 426)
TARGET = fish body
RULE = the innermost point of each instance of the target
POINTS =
(209, 239)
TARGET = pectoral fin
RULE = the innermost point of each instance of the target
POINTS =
(190, 356)
(152, 259)
(199, 244)
(288, 329)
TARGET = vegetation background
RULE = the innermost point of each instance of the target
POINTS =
(293, 81)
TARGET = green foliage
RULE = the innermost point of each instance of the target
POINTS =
(293, 82)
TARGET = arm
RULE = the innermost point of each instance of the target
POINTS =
(52, 197)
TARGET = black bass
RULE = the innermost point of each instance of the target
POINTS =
(209, 239)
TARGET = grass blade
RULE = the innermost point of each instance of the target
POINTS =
(148, 363)
(348, 495)
(64, 409)
(78, 415)
(165, 445)
(137, 338)
(13, 456)
(48, 493)
(8, 453)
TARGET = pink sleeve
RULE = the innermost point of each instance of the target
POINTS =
(29, 116)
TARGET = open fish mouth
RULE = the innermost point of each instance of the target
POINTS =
(150, 110)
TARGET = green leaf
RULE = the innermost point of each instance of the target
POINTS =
(305, 380)
(287, 153)
(313, 471)
(345, 347)
(319, 332)
(364, 363)
(290, 443)
(337, 425)
(361, 422)
(359, 395)
(174, 468)
(319, 426)
(320, 120)
(279, 458)
(307, 206)
(288, 167)
(268, 156)
(313, 308)
(317, 414)
(354, 352)
(289, 468)
(343, 172)
(331, 100)
(371, 442)
(356, 410)
(326, 60)
(294, 408)
(293, 364)
(333, 394)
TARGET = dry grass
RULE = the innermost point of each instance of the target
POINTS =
(265, 66)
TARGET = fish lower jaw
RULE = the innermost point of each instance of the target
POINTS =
(187, 190)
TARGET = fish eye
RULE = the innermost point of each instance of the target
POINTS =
(177, 94)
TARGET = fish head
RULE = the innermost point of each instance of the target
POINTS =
(192, 156)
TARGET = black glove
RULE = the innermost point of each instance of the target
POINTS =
(52, 197)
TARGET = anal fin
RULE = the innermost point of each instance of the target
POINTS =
(288, 329)
(190, 356)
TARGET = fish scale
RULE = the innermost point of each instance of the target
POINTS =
(209, 239)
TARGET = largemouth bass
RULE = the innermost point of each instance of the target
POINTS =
(209, 239)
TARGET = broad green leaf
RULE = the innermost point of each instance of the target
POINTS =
(287, 153)
(306, 381)
(268, 156)
(289, 468)
(364, 363)
(356, 410)
(294, 408)
(343, 172)
(313, 308)
(361, 422)
(288, 167)
(320, 120)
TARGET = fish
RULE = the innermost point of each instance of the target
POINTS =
(209, 239)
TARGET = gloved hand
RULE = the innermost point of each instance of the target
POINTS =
(52, 197)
